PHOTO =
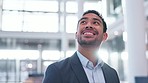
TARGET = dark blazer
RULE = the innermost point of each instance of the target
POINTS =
(70, 70)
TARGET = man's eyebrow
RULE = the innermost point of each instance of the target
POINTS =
(97, 20)
(83, 18)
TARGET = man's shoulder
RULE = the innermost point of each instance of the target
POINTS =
(62, 62)
(106, 66)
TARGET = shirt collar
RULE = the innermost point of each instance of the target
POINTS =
(83, 59)
(86, 63)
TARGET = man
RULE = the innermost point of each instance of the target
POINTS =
(84, 66)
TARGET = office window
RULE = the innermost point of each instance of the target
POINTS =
(71, 7)
(69, 53)
(19, 54)
(51, 55)
(12, 21)
(41, 22)
(31, 5)
(71, 23)
(93, 5)
(45, 64)
(7, 70)
(30, 15)
(40, 5)
(116, 3)
(13, 4)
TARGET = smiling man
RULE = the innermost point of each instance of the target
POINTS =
(84, 66)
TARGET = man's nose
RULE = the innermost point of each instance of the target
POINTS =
(89, 26)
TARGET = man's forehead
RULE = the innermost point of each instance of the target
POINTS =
(91, 16)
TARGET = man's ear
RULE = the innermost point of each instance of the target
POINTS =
(105, 36)
(76, 35)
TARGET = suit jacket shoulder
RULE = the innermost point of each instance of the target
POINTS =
(110, 74)
(68, 70)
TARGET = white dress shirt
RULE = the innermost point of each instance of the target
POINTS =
(94, 73)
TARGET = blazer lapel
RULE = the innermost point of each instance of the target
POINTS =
(106, 74)
(78, 69)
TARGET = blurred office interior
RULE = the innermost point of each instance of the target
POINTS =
(36, 33)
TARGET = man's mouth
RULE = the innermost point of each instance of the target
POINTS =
(88, 33)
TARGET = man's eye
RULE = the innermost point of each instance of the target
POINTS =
(96, 23)
(83, 22)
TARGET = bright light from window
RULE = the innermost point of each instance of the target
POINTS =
(71, 23)
(69, 53)
(72, 7)
(125, 36)
(12, 21)
(110, 20)
(46, 63)
(114, 59)
(124, 56)
(29, 20)
(116, 32)
(114, 55)
(51, 55)
(31, 5)
(29, 65)
(13, 4)
(19, 54)
(103, 54)
(41, 22)
(93, 6)
(39, 5)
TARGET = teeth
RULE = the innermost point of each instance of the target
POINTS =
(88, 33)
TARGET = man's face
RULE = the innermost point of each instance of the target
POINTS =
(90, 30)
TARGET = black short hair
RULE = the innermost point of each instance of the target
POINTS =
(98, 14)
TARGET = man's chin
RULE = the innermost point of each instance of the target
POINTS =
(87, 43)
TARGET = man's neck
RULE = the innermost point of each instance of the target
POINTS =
(90, 54)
